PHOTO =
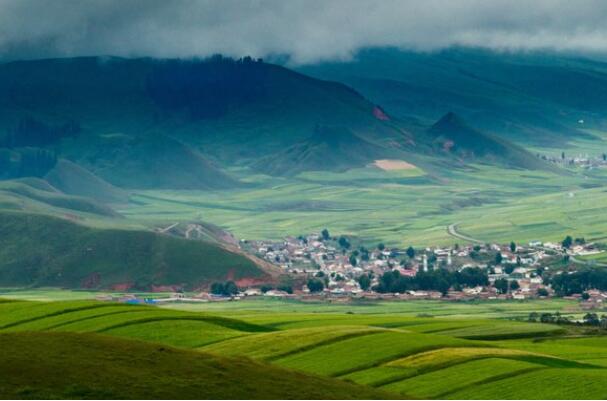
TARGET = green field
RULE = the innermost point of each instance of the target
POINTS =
(387, 349)
(399, 208)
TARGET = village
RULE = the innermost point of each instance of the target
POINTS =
(322, 267)
(340, 266)
(584, 161)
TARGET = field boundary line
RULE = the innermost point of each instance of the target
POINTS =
(322, 343)
(491, 380)
(56, 313)
(233, 324)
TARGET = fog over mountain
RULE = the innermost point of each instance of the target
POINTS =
(305, 31)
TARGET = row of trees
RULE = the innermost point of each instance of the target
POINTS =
(26, 162)
(436, 280)
(578, 282)
(30, 132)
(589, 319)
(226, 289)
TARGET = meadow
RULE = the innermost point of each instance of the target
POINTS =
(386, 349)
(401, 208)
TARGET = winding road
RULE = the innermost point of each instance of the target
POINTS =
(452, 230)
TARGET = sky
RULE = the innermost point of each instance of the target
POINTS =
(305, 31)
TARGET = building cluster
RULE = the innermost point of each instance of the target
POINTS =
(340, 265)
(583, 161)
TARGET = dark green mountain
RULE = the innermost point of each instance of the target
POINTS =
(452, 136)
(37, 195)
(37, 250)
(328, 149)
(72, 179)
(176, 124)
(529, 97)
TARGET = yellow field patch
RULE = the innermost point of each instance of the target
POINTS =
(393, 165)
(453, 356)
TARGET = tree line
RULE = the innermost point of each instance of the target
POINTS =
(436, 280)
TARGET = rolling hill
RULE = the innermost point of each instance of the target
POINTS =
(38, 250)
(88, 366)
(452, 135)
(144, 123)
(328, 149)
(176, 124)
(72, 179)
(510, 94)
(32, 194)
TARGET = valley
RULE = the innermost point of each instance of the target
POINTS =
(398, 225)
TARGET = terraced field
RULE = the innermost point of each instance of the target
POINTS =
(391, 353)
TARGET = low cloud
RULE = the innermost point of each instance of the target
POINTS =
(304, 30)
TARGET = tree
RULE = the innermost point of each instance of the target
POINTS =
(585, 296)
(353, 260)
(364, 281)
(411, 252)
(591, 319)
(514, 285)
(563, 155)
(343, 242)
(567, 242)
(217, 288)
(315, 285)
(227, 289)
(533, 316)
(498, 258)
(542, 292)
(325, 234)
(286, 288)
(230, 288)
(546, 318)
(512, 246)
(381, 246)
(501, 284)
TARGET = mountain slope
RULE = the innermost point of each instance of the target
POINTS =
(72, 179)
(452, 135)
(174, 124)
(328, 149)
(37, 250)
(36, 195)
(89, 366)
(511, 94)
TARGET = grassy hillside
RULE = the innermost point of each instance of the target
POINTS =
(174, 124)
(511, 94)
(143, 123)
(33, 194)
(37, 250)
(452, 135)
(56, 366)
(380, 345)
(328, 149)
(72, 179)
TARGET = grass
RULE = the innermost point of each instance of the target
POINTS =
(382, 345)
(268, 346)
(440, 383)
(552, 384)
(86, 366)
(393, 208)
(359, 353)
(37, 250)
